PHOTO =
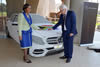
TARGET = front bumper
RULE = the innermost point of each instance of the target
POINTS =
(46, 51)
(55, 51)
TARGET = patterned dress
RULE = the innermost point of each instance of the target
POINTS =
(25, 27)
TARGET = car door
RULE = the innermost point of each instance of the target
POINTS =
(9, 25)
(15, 28)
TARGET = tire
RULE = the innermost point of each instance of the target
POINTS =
(7, 32)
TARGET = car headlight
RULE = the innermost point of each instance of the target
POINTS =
(37, 40)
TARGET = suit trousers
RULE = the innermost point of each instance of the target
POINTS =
(68, 44)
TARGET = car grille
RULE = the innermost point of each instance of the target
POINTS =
(54, 40)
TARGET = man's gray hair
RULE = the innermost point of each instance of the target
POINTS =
(63, 7)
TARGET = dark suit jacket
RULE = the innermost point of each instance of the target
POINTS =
(70, 22)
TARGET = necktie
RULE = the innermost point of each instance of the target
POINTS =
(64, 23)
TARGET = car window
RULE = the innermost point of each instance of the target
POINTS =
(14, 18)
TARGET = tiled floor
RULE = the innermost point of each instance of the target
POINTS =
(97, 36)
(96, 43)
(11, 56)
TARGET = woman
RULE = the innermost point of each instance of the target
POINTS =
(25, 31)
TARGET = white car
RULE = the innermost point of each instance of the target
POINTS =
(43, 41)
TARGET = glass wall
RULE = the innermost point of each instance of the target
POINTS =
(3, 8)
(3, 15)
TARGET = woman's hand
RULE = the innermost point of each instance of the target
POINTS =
(20, 37)
(71, 34)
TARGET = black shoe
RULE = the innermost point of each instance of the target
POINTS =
(63, 57)
(68, 60)
(27, 60)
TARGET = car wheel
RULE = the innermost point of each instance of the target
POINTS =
(7, 32)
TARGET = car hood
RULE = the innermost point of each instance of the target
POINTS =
(53, 33)
(46, 32)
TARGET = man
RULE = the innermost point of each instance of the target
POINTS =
(68, 22)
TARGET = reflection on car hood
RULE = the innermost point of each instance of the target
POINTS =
(46, 26)
(46, 33)
(46, 30)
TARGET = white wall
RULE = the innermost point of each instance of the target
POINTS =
(47, 6)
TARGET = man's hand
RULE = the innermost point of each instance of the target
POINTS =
(71, 34)
(52, 28)
(20, 37)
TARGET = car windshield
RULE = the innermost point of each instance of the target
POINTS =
(44, 24)
(14, 18)
(38, 19)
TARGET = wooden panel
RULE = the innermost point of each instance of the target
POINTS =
(14, 6)
(1, 23)
(89, 21)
